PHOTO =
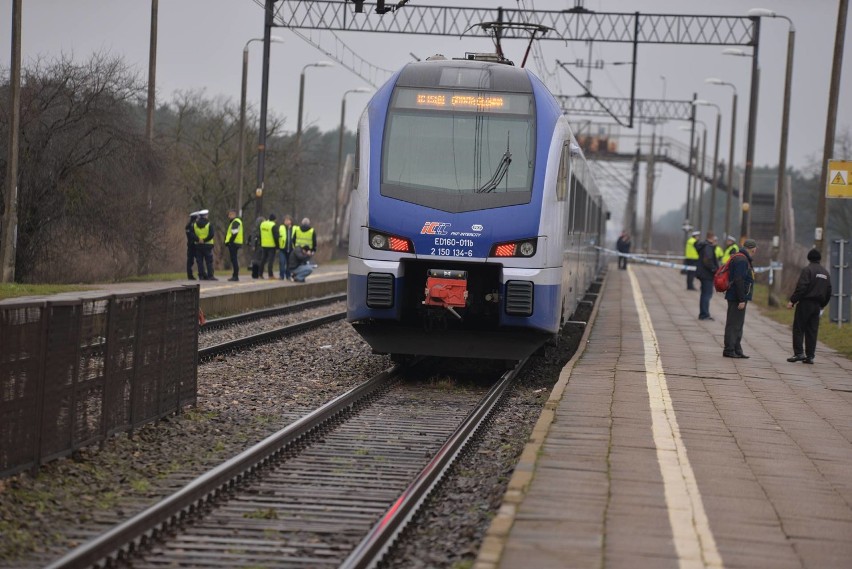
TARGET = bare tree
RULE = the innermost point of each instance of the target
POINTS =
(80, 123)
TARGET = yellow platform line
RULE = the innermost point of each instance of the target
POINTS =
(693, 539)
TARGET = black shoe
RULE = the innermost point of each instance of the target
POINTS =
(190, 277)
(808, 361)
(730, 355)
(211, 279)
(745, 357)
(233, 279)
(796, 358)
(705, 318)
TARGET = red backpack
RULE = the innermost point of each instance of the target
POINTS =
(722, 278)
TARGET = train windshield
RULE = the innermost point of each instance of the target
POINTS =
(459, 150)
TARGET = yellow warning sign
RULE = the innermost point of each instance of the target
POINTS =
(839, 179)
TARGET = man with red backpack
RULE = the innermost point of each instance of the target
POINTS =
(738, 295)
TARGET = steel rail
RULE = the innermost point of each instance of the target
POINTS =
(373, 547)
(120, 541)
(268, 312)
(225, 347)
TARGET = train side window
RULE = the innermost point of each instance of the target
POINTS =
(580, 207)
(562, 176)
(357, 166)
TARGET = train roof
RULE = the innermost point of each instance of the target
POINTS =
(465, 74)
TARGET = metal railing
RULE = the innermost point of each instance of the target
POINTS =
(73, 372)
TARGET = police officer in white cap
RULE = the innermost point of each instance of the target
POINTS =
(190, 245)
(691, 258)
(204, 246)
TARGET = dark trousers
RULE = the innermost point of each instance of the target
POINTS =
(268, 257)
(190, 260)
(704, 300)
(806, 327)
(690, 275)
(234, 251)
(734, 328)
(622, 262)
(204, 258)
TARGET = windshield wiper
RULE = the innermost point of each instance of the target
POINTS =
(499, 173)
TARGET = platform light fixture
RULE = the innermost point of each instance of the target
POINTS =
(782, 154)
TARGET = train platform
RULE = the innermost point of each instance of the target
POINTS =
(655, 451)
(221, 297)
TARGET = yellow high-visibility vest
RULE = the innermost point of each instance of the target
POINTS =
(201, 232)
(302, 238)
(231, 237)
(266, 238)
(729, 252)
(691, 252)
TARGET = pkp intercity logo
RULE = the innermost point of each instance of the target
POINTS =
(435, 228)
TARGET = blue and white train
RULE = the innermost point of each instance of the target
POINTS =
(474, 217)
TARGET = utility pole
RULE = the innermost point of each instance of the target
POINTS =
(630, 210)
(152, 74)
(9, 235)
(745, 222)
(269, 9)
(649, 198)
(820, 236)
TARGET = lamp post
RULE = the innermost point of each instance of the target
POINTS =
(699, 179)
(340, 158)
(730, 182)
(711, 214)
(782, 156)
(745, 220)
(299, 130)
(241, 166)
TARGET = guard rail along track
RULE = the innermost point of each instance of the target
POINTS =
(240, 343)
(202, 516)
(226, 321)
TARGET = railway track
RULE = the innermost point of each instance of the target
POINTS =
(334, 488)
(215, 323)
(218, 343)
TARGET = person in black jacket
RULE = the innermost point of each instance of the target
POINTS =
(299, 264)
(813, 291)
(706, 268)
(738, 295)
(190, 245)
(204, 246)
(622, 245)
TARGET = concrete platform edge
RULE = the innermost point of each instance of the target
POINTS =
(266, 297)
(494, 541)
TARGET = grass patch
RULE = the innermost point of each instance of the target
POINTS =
(263, 514)
(839, 339)
(140, 485)
(15, 290)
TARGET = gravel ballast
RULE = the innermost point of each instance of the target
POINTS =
(242, 399)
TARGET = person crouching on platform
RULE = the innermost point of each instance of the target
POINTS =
(813, 291)
(299, 264)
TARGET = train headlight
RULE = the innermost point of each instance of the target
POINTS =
(525, 248)
(384, 242)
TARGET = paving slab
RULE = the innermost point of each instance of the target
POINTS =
(662, 453)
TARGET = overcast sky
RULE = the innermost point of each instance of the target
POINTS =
(201, 43)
